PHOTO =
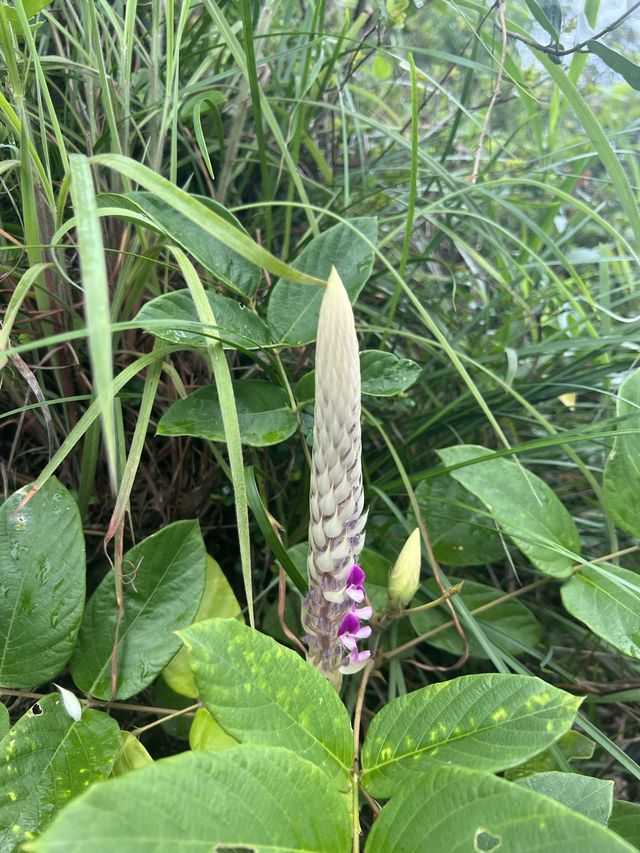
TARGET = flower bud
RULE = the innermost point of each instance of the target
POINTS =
(404, 577)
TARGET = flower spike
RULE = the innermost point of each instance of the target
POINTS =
(336, 501)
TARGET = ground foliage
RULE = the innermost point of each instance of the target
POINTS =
(178, 180)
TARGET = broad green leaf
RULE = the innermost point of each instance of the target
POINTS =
(548, 14)
(236, 325)
(42, 584)
(131, 756)
(625, 821)
(207, 733)
(489, 722)
(215, 225)
(47, 759)
(572, 746)
(384, 374)
(263, 413)
(218, 600)
(457, 809)
(621, 482)
(507, 625)
(293, 309)
(607, 599)
(460, 531)
(261, 799)
(262, 693)
(4, 720)
(522, 505)
(591, 797)
(166, 580)
(214, 255)
(617, 62)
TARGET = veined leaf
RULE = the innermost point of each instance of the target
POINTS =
(461, 532)
(254, 798)
(168, 569)
(607, 599)
(46, 759)
(42, 584)
(218, 600)
(237, 326)
(207, 733)
(383, 374)
(522, 504)
(591, 797)
(260, 692)
(293, 308)
(453, 808)
(489, 722)
(263, 414)
(213, 253)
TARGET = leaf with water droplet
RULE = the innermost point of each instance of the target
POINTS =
(42, 564)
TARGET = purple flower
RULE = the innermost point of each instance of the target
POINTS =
(350, 631)
(353, 588)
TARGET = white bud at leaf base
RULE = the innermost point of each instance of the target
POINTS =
(336, 500)
(404, 578)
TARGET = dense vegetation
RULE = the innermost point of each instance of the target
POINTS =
(178, 181)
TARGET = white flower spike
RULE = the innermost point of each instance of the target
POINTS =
(330, 614)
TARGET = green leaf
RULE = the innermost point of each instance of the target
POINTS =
(383, 374)
(625, 821)
(621, 483)
(237, 326)
(590, 797)
(251, 798)
(207, 733)
(42, 584)
(4, 720)
(454, 808)
(262, 693)
(218, 600)
(215, 256)
(489, 722)
(293, 309)
(522, 505)
(166, 573)
(607, 599)
(507, 625)
(131, 756)
(97, 311)
(263, 413)
(617, 62)
(570, 747)
(460, 531)
(31, 8)
(45, 760)
(548, 14)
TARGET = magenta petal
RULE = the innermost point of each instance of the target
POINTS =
(348, 642)
(363, 633)
(358, 657)
(349, 625)
(356, 576)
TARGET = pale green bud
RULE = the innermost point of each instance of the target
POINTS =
(404, 577)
